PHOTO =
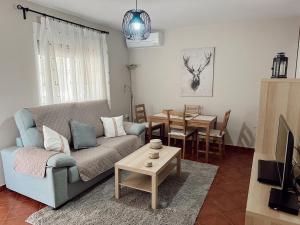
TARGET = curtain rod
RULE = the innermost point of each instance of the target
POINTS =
(26, 10)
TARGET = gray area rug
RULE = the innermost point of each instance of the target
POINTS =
(180, 200)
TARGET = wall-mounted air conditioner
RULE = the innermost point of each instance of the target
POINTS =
(154, 40)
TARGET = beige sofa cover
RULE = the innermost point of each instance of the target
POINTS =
(92, 161)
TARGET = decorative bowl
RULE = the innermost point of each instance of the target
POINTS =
(155, 143)
(153, 155)
(148, 164)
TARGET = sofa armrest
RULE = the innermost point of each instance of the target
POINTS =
(6, 152)
(61, 160)
(134, 128)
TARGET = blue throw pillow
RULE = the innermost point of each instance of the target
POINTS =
(83, 135)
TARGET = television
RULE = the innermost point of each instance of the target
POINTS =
(284, 154)
(283, 198)
(279, 172)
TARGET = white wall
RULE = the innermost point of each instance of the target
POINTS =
(244, 54)
(298, 58)
(298, 65)
(18, 83)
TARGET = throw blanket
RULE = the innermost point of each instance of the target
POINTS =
(32, 161)
(92, 162)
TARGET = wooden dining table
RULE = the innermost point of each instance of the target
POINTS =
(194, 120)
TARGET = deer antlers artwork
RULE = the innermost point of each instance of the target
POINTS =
(195, 83)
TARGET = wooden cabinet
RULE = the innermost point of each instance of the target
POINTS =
(277, 96)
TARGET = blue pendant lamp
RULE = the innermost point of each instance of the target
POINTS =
(136, 24)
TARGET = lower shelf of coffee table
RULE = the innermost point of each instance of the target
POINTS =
(143, 182)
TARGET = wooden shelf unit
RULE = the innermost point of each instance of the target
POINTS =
(277, 96)
(258, 212)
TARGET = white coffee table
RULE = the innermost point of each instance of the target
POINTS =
(147, 178)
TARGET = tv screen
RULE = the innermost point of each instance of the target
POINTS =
(282, 137)
(284, 152)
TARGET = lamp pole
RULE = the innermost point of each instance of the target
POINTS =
(130, 68)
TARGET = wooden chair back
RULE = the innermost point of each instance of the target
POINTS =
(225, 121)
(192, 109)
(176, 123)
(140, 114)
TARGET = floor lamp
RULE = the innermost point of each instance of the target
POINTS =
(130, 68)
(297, 58)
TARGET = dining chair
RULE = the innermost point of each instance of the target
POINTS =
(140, 117)
(192, 109)
(178, 130)
(218, 135)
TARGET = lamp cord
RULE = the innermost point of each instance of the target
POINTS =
(135, 4)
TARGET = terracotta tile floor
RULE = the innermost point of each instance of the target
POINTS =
(225, 203)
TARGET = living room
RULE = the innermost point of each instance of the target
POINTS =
(184, 99)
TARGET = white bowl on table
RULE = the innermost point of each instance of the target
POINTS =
(155, 143)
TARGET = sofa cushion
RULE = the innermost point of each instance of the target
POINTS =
(123, 144)
(83, 135)
(93, 161)
(134, 128)
(90, 113)
(53, 141)
(19, 142)
(56, 117)
(113, 126)
(30, 136)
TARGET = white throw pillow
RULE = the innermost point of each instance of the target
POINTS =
(113, 126)
(53, 141)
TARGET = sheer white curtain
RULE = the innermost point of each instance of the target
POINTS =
(72, 62)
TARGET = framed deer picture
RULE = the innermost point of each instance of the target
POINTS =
(197, 74)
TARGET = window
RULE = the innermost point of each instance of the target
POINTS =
(72, 62)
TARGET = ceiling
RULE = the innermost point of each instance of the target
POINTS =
(166, 14)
